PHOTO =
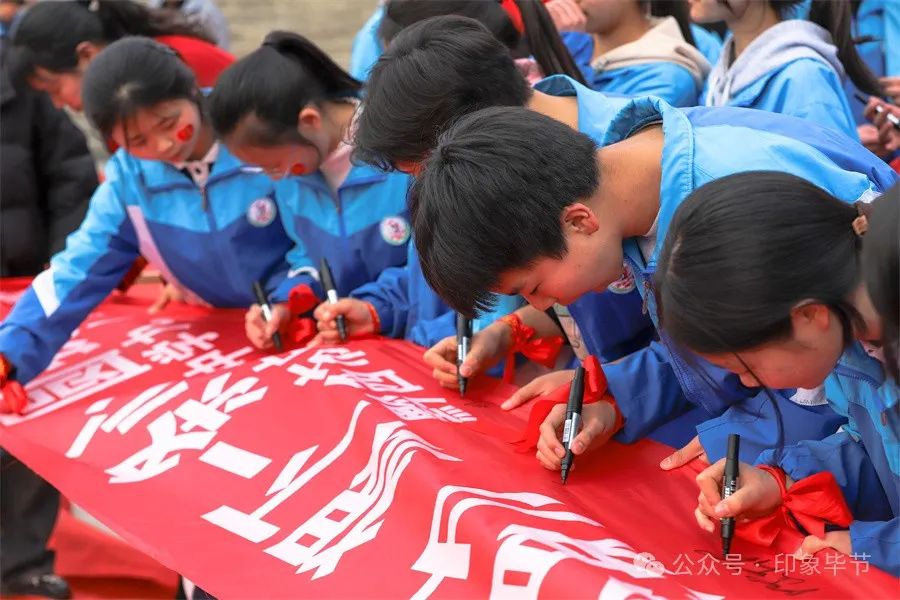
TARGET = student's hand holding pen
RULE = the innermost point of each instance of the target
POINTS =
(879, 113)
(358, 318)
(757, 496)
(259, 331)
(489, 346)
(598, 426)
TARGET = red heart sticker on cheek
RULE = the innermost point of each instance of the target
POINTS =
(185, 133)
(298, 169)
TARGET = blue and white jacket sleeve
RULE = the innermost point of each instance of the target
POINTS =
(302, 272)
(646, 389)
(96, 257)
(875, 531)
(389, 294)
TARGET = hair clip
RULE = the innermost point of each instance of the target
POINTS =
(861, 223)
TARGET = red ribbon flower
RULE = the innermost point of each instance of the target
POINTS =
(811, 503)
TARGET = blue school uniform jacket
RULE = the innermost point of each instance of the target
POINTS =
(708, 43)
(879, 21)
(660, 63)
(613, 323)
(213, 241)
(408, 308)
(864, 456)
(792, 68)
(361, 229)
(656, 381)
(366, 46)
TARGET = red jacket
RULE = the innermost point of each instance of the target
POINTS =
(205, 60)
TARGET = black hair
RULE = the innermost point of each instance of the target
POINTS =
(678, 9)
(49, 32)
(540, 37)
(114, 90)
(432, 73)
(490, 198)
(273, 83)
(837, 17)
(744, 250)
(544, 42)
(881, 269)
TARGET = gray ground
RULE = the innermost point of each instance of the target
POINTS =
(331, 24)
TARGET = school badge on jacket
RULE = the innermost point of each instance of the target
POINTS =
(395, 230)
(261, 212)
(625, 283)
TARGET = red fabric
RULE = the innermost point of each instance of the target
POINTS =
(812, 503)
(543, 351)
(301, 300)
(206, 60)
(350, 473)
(512, 10)
(595, 388)
(895, 164)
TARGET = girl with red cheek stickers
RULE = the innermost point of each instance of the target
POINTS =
(288, 110)
(171, 193)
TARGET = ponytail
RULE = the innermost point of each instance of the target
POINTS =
(836, 16)
(119, 18)
(274, 83)
(530, 31)
(544, 41)
(881, 267)
(678, 9)
(49, 33)
(742, 251)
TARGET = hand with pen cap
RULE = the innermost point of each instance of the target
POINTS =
(13, 398)
(758, 495)
(360, 319)
(489, 347)
(599, 421)
(260, 331)
(880, 114)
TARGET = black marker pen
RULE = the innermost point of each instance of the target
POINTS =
(573, 421)
(332, 295)
(729, 486)
(891, 117)
(266, 312)
(463, 343)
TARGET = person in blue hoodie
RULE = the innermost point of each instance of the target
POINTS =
(171, 194)
(524, 26)
(829, 313)
(622, 48)
(876, 27)
(567, 230)
(288, 109)
(786, 65)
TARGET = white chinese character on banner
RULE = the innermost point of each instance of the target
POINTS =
(348, 521)
(185, 347)
(526, 554)
(416, 409)
(53, 391)
(209, 414)
(385, 380)
(214, 360)
(75, 346)
(145, 335)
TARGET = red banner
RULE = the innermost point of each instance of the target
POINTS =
(345, 472)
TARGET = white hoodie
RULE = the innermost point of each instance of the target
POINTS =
(777, 46)
(663, 43)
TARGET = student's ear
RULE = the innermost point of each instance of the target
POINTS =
(85, 53)
(309, 120)
(810, 318)
(579, 218)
